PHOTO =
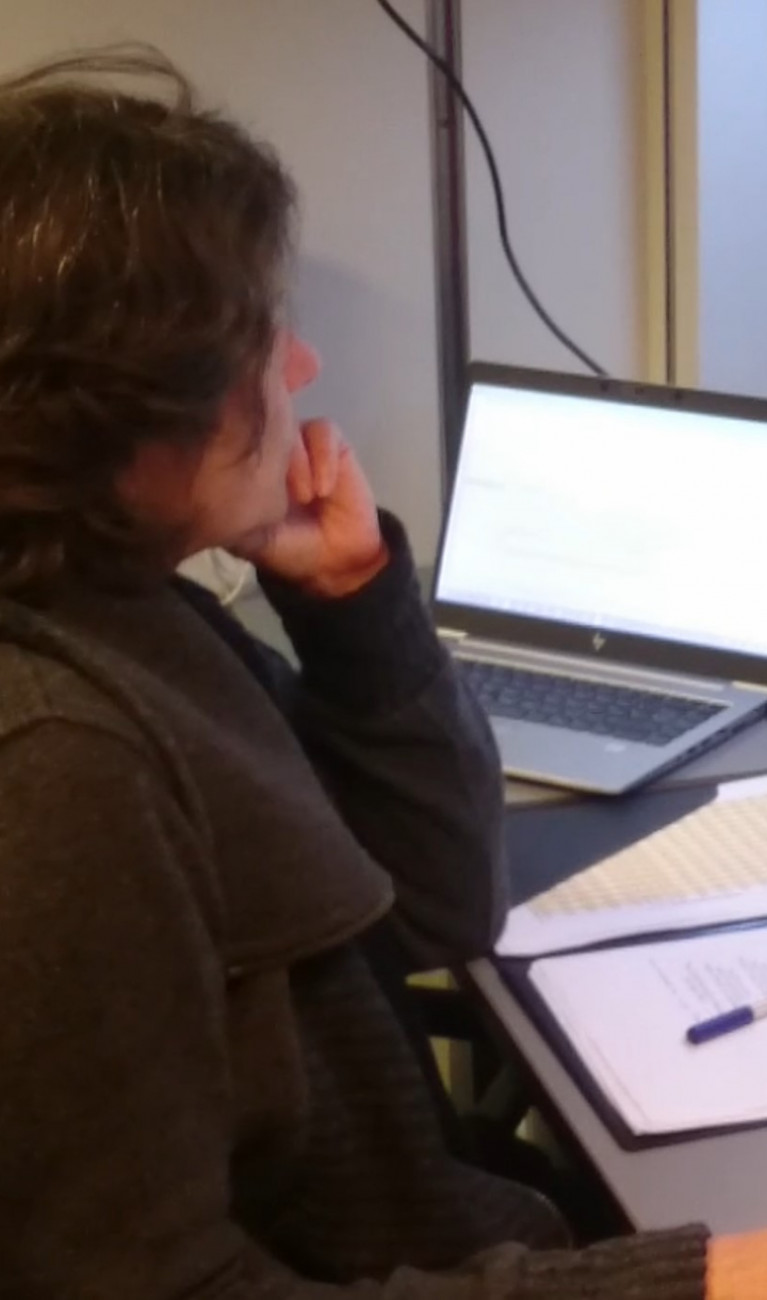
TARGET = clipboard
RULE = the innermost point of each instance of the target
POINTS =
(515, 974)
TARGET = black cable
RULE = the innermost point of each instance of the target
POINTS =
(495, 177)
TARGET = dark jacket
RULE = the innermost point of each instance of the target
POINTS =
(205, 1094)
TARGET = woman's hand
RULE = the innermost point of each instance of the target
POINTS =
(737, 1267)
(329, 542)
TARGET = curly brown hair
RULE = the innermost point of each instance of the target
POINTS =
(143, 250)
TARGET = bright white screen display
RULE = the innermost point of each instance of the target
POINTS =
(617, 516)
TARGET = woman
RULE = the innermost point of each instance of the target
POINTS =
(204, 1090)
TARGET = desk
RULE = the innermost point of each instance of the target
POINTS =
(722, 1180)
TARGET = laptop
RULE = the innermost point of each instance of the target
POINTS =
(602, 572)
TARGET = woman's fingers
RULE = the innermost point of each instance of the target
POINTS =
(323, 444)
(300, 475)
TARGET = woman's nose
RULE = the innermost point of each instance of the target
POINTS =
(303, 364)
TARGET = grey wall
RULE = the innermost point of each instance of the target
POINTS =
(557, 82)
(732, 125)
(345, 99)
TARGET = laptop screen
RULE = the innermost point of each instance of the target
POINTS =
(621, 516)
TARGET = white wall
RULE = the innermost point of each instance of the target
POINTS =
(732, 123)
(344, 98)
(557, 84)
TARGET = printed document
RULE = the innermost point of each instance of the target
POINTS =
(708, 868)
(626, 1012)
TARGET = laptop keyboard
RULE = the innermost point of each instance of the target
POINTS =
(577, 705)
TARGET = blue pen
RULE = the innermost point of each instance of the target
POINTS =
(705, 1030)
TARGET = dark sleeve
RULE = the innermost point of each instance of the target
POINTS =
(405, 752)
(115, 1106)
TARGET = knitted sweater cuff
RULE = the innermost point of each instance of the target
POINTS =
(655, 1265)
(371, 650)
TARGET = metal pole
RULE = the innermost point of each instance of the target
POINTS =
(449, 200)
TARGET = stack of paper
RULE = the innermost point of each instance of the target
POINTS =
(708, 868)
(626, 1011)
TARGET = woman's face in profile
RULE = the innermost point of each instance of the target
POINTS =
(238, 485)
